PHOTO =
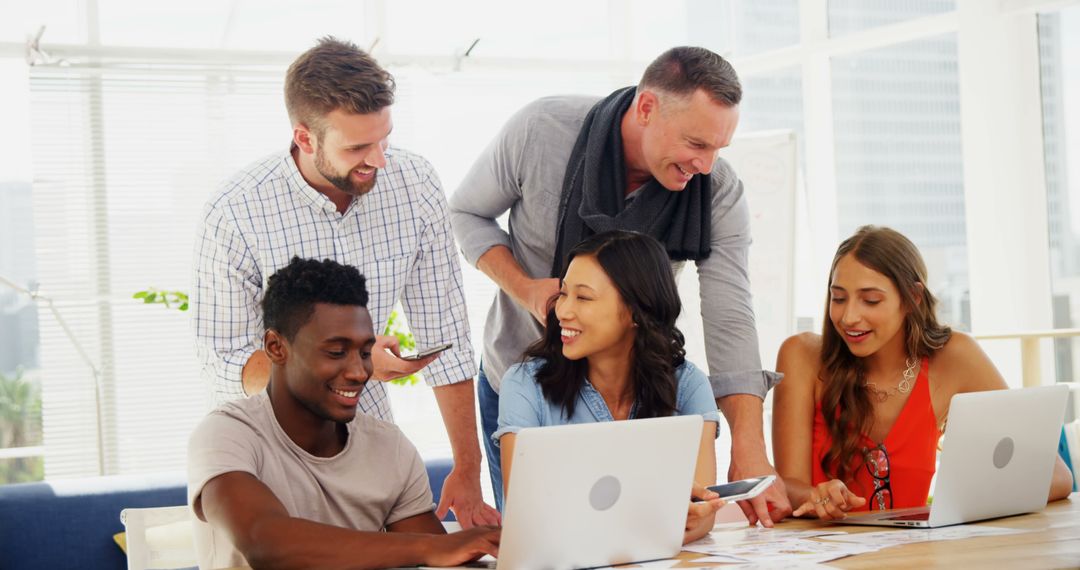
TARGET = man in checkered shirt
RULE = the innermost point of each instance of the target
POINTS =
(340, 192)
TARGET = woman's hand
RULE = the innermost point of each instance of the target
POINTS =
(830, 500)
(701, 515)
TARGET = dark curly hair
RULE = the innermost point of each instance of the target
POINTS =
(641, 271)
(294, 289)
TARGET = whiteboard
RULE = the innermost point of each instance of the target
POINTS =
(766, 162)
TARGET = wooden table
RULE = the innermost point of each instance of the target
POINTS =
(1054, 542)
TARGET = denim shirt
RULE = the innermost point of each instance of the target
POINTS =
(522, 403)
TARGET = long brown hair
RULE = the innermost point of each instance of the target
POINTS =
(845, 404)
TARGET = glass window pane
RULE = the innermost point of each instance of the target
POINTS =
(770, 102)
(505, 29)
(1059, 51)
(272, 25)
(61, 19)
(847, 16)
(20, 387)
(746, 27)
(655, 31)
(21, 469)
(898, 156)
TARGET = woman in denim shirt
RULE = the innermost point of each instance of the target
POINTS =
(611, 351)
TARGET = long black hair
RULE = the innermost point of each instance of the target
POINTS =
(641, 271)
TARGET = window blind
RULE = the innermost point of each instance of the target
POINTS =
(123, 162)
(124, 158)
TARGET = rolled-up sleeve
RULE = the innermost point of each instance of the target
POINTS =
(489, 189)
(225, 294)
(434, 299)
(727, 311)
(520, 401)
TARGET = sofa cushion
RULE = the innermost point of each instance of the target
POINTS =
(71, 523)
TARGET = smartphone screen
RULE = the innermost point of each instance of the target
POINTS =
(428, 352)
(736, 488)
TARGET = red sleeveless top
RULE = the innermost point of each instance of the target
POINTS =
(912, 445)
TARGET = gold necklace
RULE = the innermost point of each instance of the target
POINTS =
(903, 387)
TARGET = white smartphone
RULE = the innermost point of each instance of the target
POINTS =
(428, 352)
(744, 489)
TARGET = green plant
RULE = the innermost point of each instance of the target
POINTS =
(395, 325)
(152, 295)
(20, 426)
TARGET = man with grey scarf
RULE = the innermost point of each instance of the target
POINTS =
(645, 159)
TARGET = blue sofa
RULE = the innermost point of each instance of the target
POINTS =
(70, 523)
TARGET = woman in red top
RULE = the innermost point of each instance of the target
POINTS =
(858, 416)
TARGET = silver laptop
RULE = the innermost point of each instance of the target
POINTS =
(997, 459)
(589, 495)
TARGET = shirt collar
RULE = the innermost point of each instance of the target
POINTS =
(598, 407)
(313, 197)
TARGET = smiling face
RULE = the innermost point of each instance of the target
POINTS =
(680, 137)
(591, 312)
(352, 149)
(865, 308)
(328, 361)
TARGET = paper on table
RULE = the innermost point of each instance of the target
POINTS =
(886, 538)
(721, 540)
(759, 545)
(798, 550)
(778, 565)
(720, 559)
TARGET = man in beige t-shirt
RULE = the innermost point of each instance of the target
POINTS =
(293, 476)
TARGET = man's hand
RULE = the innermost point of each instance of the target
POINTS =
(536, 295)
(386, 359)
(772, 505)
(499, 264)
(461, 547)
(461, 493)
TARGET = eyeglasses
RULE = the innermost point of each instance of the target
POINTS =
(877, 463)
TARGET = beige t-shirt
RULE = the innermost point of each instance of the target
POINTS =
(377, 480)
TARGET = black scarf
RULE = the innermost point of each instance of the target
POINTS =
(593, 193)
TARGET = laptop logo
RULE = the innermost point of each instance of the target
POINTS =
(605, 493)
(1003, 452)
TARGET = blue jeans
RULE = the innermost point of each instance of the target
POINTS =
(489, 422)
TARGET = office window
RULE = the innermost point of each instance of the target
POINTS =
(898, 158)
(113, 215)
(772, 101)
(847, 16)
(552, 30)
(61, 19)
(1059, 51)
(751, 26)
(20, 376)
(652, 31)
(273, 25)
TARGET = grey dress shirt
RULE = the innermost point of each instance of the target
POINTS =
(522, 171)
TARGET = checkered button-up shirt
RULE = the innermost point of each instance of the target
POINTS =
(397, 235)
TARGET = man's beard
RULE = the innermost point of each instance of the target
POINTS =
(343, 183)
